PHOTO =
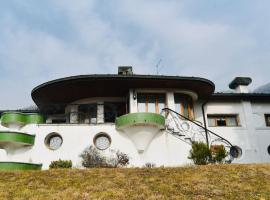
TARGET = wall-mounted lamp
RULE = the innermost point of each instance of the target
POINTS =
(134, 95)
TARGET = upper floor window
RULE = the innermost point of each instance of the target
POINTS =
(88, 113)
(267, 119)
(183, 105)
(57, 119)
(113, 110)
(223, 120)
(150, 102)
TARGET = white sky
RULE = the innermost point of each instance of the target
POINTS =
(48, 39)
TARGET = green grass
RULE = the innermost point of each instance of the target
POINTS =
(195, 182)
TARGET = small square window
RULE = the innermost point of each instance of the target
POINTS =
(267, 119)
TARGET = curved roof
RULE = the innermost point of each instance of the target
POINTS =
(70, 89)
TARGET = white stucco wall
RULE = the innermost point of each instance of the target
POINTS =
(252, 135)
(163, 150)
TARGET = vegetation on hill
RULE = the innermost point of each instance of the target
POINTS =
(192, 182)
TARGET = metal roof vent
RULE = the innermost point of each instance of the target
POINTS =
(125, 70)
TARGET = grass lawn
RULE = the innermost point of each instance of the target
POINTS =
(195, 182)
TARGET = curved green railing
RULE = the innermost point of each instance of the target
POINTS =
(140, 118)
(34, 118)
(7, 137)
(19, 166)
(21, 118)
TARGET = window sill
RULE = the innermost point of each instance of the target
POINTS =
(263, 128)
(225, 126)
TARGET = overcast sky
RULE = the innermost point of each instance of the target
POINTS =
(48, 39)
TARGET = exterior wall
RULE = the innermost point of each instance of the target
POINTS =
(262, 131)
(251, 135)
(163, 150)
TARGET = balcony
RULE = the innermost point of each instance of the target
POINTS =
(6, 165)
(10, 139)
(140, 128)
(17, 120)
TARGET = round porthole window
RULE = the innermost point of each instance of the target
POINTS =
(102, 141)
(235, 152)
(268, 149)
(53, 141)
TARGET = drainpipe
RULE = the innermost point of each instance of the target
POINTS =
(204, 122)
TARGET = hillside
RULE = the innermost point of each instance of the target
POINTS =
(203, 182)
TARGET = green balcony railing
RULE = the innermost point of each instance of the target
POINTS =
(21, 119)
(19, 166)
(140, 118)
(17, 138)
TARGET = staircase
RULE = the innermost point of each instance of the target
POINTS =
(190, 131)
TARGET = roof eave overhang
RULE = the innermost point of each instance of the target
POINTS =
(69, 89)
(262, 97)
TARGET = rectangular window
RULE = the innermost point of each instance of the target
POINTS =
(58, 121)
(141, 99)
(267, 119)
(223, 120)
(150, 102)
(183, 105)
(113, 110)
(88, 113)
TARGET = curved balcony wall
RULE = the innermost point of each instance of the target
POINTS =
(34, 118)
(15, 139)
(140, 118)
(140, 128)
(17, 120)
(6, 165)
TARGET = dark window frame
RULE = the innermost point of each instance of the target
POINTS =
(267, 119)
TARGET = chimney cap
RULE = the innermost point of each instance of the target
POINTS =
(237, 81)
(125, 70)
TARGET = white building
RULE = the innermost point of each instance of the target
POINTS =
(136, 114)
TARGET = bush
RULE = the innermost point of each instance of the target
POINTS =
(200, 153)
(92, 157)
(219, 153)
(118, 159)
(61, 164)
(149, 165)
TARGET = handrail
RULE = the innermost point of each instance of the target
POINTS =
(168, 109)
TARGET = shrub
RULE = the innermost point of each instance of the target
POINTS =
(149, 165)
(219, 153)
(60, 164)
(200, 153)
(92, 157)
(118, 159)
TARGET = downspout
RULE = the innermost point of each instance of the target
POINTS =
(204, 122)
